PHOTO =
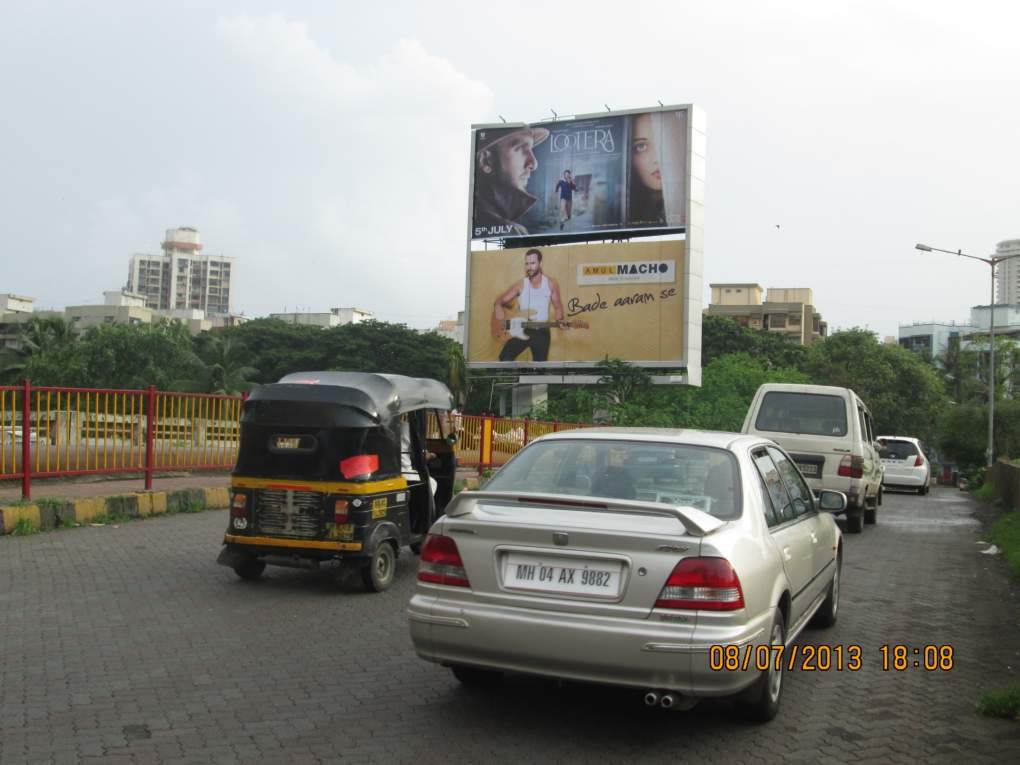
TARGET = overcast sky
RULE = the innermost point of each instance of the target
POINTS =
(325, 145)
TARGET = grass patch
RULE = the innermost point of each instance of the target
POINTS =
(458, 486)
(985, 492)
(1002, 703)
(111, 518)
(1005, 534)
(24, 527)
(188, 506)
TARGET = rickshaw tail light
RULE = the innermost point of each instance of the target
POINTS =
(340, 511)
(239, 505)
(359, 465)
(441, 562)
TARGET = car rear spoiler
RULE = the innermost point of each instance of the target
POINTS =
(695, 522)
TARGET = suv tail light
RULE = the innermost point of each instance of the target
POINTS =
(708, 584)
(851, 466)
(919, 461)
(441, 562)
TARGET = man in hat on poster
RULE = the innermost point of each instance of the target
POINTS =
(504, 161)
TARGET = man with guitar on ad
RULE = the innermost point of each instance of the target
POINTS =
(535, 293)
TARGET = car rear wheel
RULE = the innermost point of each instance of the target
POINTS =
(473, 677)
(763, 701)
(378, 574)
(249, 569)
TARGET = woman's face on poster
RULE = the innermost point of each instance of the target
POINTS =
(644, 151)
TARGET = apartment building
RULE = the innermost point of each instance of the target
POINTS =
(334, 318)
(790, 311)
(183, 278)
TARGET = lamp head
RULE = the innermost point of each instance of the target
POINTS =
(922, 247)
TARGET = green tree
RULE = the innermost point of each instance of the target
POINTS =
(728, 385)
(277, 348)
(117, 356)
(458, 377)
(223, 366)
(721, 336)
(36, 338)
(905, 394)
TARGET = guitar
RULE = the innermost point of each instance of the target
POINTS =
(516, 325)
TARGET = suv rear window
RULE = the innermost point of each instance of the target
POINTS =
(814, 414)
(897, 450)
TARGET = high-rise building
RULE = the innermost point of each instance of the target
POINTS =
(182, 277)
(1007, 287)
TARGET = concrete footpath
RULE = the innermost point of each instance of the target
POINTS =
(56, 504)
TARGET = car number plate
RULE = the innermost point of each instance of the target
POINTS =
(564, 576)
(807, 469)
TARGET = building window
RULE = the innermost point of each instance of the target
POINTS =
(777, 321)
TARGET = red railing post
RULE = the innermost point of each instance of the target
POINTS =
(526, 429)
(150, 435)
(26, 435)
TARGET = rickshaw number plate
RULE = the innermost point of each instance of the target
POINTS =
(288, 442)
(379, 507)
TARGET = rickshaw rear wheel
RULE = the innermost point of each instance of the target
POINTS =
(251, 568)
(382, 566)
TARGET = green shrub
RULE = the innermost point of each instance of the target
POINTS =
(1002, 703)
(985, 492)
(24, 527)
(1005, 535)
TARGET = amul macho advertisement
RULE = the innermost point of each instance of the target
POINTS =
(577, 303)
(589, 175)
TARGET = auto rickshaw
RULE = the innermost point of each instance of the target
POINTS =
(339, 469)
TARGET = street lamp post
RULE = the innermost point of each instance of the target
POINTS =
(993, 262)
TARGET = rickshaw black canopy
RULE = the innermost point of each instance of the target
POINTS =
(360, 399)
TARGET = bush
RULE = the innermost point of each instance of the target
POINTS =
(1005, 535)
(1003, 703)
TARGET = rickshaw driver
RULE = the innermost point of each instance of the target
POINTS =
(407, 469)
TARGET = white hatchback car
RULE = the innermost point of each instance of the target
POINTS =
(677, 562)
(905, 463)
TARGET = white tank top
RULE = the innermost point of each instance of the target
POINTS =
(536, 299)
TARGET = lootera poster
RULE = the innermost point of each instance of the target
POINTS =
(589, 175)
(577, 303)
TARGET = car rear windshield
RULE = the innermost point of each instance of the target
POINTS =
(814, 414)
(897, 450)
(688, 476)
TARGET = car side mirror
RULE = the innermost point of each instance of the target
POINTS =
(451, 439)
(831, 501)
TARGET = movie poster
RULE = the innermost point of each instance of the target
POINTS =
(577, 303)
(592, 175)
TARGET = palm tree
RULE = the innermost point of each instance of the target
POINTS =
(39, 335)
(458, 377)
(222, 367)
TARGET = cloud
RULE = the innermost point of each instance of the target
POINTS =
(375, 180)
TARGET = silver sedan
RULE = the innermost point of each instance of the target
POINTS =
(676, 562)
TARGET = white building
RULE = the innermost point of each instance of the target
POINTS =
(1007, 287)
(335, 318)
(182, 277)
(934, 337)
(452, 328)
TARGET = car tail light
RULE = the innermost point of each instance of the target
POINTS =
(919, 461)
(340, 511)
(239, 505)
(361, 465)
(851, 466)
(441, 563)
(708, 584)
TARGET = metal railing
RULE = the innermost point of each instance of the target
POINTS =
(49, 432)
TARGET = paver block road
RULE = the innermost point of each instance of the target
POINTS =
(130, 645)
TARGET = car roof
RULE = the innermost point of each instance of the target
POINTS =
(687, 436)
(804, 388)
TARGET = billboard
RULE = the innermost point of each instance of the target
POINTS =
(590, 175)
(577, 303)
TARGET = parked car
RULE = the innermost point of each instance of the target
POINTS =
(830, 435)
(905, 463)
(622, 556)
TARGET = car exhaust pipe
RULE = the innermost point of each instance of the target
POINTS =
(668, 700)
(652, 699)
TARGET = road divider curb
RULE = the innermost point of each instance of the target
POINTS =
(48, 514)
